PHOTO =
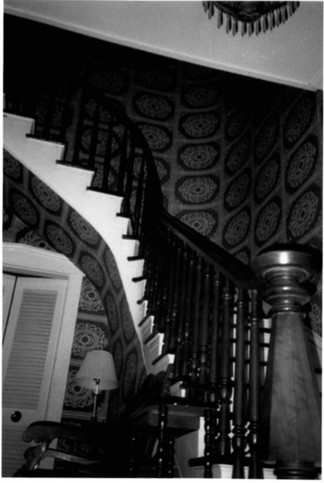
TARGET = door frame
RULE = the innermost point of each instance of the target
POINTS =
(18, 258)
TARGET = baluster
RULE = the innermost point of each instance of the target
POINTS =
(162, 301)
(152, 270)
(138, 216)
(163, 421)
(175, 296)
(151, 274)
(170, 460)
(132, 456)
(67, 115)
(225, 391)
(238, 417)
(255, 469)
(213, 370)
(169, 337)
(122, 163)
(183, 294)
(94, 136)
(108, 151)
(49, 109)
(129, 181)
(196, 321)
(184, 371)
(208, 466)
(80, 127)
(204, 325)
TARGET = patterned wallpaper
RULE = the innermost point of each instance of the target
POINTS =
(35, 215)
(239, 159)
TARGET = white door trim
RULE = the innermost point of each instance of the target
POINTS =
(25, 259)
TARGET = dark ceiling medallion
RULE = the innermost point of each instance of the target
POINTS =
(254, 17)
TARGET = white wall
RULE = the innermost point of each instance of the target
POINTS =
(291, 54)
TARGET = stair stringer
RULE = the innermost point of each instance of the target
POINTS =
(100, 209)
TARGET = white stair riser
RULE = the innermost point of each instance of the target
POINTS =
(71, 184)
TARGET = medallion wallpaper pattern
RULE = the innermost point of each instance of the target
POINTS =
(33, 214)
(239, 161)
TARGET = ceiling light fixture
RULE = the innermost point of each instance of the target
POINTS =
(255, 17)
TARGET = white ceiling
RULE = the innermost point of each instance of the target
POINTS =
(291, 54)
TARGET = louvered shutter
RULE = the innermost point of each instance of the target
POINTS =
(8, 286)
(28, 357)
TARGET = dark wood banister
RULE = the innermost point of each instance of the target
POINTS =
(236, 271)
(275, 276)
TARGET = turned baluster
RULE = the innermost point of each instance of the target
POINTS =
(170, 457)
(161, 450)
(175, 297)
(213, 370)
(238, 417)
(291, 402)
(255, 469)
(128, 189)
(139, 205)
(170, 335)
(132, 456)
(94, 137)
(196, 321)
(164, 300)
(208, 465)
(155, 273)
(184, 370)
(108, 150)
(225, 391)
(157, 262)
(123, 162)
(168, 291)
(183, 295)
(82, 100)
(203, 368)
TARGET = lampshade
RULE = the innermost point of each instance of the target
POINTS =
(97, 368)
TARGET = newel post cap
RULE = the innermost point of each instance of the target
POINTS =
(284, 275)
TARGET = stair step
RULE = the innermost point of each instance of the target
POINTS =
(136, 258)
(146, 328)
(142, 322)
(107, 192)
(153, 348)
(17, 125)
(43, 158)
(130, 237)
(74, 166)
(161, 363)
(139, 279)
(46, 139)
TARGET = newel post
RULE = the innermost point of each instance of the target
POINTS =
(291, 411)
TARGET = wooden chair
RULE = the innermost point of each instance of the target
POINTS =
(77, 451)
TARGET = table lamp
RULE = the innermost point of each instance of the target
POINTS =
(97, 372)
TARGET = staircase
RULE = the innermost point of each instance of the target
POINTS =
(72, 184)
(195, 308)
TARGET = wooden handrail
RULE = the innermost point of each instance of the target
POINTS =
(236, 271)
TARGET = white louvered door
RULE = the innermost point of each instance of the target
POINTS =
(29, 351)
(8, 287)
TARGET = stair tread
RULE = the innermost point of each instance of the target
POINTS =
(139, 279)
(46, 139)
(77, 166)
(135, 258)
(101, 190)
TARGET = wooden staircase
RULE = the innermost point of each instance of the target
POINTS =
(195, 308)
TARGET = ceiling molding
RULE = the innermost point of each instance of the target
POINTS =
(291, 54)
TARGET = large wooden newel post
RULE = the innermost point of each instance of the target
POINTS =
(291, 418)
